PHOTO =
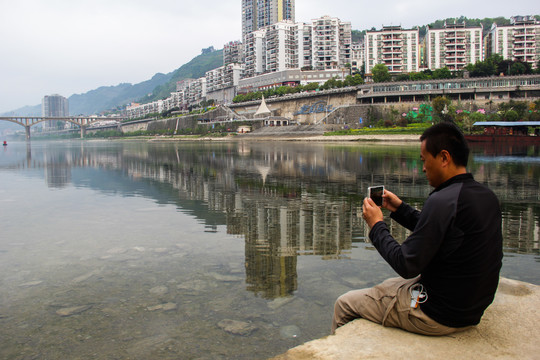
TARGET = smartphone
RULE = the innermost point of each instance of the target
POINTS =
(376, 193)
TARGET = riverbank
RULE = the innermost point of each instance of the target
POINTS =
(312, 138)
(505, 332)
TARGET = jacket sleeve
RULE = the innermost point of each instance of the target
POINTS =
(406, 216)
(411, 258)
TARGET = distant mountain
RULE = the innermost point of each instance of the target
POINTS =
(111, 97)
(196, 68)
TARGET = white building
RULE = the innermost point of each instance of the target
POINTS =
(233, 52)
(304, 37)
(357, 57)
(291, 77)
(519, 41)
(454, 46)
(221, 83)
(394, 47)
(281, 47)
(255, 53)
(331, 43)
(323, 45)
(196, 92)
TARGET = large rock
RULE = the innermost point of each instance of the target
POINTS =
(508, 330)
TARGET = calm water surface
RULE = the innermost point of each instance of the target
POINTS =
(228, 250)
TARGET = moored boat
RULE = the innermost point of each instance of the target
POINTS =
(507, 132)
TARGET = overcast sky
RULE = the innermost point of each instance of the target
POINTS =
(69, 47)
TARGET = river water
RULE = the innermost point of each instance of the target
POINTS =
(209, 250)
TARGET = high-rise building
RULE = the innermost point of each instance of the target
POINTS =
(519, 41)
(453, 46)
(331, 43)
(394, 47)
(257, 14)
(54, 106)
(323, 45)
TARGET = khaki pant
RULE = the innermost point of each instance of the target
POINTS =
(388, 304)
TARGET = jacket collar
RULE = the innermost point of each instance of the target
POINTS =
(455, 179)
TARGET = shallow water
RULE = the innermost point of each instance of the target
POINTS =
(136, 250)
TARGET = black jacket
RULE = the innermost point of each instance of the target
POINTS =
(456, 247)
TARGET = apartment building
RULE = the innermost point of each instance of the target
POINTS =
(233, 53)
(331, 43)
(291, 77)
(196, 91)
(281, 47)
(393, 46)
(54, 106)
(257, 14)
(323, 45)
(357, 57)
(255, 53)
(519, 41)
(136, 110)
(304, 39)
(223, 77)
(453, 46)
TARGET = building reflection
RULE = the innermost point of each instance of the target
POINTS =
(288, 200)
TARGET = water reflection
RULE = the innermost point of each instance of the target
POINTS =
(285, 199)
(153, 247)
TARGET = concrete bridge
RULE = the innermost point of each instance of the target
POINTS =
(82, 121)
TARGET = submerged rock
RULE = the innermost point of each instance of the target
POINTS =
(165, 307)
(236, 327)
(74, 310)
(289, 332)
(31, 283)
(159, 290)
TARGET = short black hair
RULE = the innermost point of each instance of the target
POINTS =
(447, 136)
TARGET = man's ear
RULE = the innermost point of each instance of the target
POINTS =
(445, 157)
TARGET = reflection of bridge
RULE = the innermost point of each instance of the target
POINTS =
(82, 121)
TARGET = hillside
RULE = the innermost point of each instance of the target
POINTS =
(196, 68)
(111, 97)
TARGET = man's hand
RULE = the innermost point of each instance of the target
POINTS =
(391, 201)
(371, 213)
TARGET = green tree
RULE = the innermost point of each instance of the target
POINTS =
(442, 73)
(518, 68)
(353, 80)
(311, 86)
(511, 115)
(473, 118)
(417, 76)
(380, 73)
(442, 108)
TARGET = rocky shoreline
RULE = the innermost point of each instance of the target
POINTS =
(504, 333)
